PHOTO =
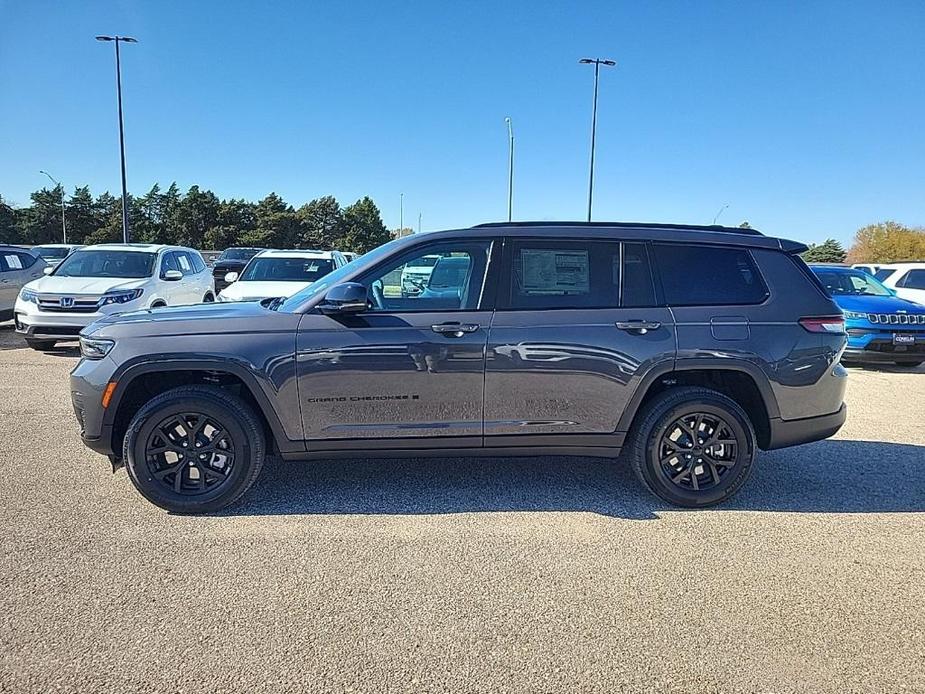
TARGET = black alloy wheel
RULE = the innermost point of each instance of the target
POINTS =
(692, 446)
(190, 453)
(194, 449)
(696, 450)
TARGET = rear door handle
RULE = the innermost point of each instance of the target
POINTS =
(454, 329)
(639, 326)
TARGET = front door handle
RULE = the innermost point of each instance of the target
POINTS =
(639, 326)
(454, 329)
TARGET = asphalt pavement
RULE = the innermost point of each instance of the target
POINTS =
(464, 575)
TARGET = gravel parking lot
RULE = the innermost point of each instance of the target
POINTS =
(458, 575)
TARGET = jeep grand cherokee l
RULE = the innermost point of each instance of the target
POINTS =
(685, 348)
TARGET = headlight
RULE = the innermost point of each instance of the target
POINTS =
(29, 295)
(121, 297)
(854, 315)
(95, 348)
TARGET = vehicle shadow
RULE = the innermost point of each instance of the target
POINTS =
(10, 340)
(826, 477)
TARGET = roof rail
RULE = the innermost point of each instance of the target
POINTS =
(629, 225)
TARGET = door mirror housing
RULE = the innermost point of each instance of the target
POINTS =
(48, 269)
(348, 297)
(173, 275)
(231, 277)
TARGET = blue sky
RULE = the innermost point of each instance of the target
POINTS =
(807, 118)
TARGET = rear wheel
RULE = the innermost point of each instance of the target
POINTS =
(194, 449)
(692, 447)
(41, 345)
(208, 298)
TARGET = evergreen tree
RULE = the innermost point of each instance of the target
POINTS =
(829, 251)
(322, 223)
(363, 227)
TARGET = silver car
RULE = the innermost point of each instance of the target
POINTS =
(17, 267)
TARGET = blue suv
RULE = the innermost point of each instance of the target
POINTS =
(881, 327)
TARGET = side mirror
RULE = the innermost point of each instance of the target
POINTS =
(173, 275)
(48, 269)
(348, 297)
(231, 277)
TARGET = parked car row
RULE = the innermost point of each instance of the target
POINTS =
(53, 291)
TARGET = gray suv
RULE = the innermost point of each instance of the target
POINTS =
(18, 267)
(685, 348)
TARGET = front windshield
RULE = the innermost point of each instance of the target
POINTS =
(286, 269)
(322, 285)
(127, 264)
(52, 253)
(853, 283)
(239, 253)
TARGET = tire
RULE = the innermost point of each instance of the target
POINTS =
(909, 364)
(159, 304)
(232, 431)
(208, 298)
(41, 345)
(657, 447)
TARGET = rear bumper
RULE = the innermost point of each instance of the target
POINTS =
(793, 432)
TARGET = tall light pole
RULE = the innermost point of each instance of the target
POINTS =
(510, 169)
(401, 214)
(596, 62)
(58, 185)
(420, 214)
(117, 40)
(721, 210)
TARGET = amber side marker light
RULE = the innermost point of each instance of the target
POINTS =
(107, 394)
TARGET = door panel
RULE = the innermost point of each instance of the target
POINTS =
(568, 372)
(390, 376)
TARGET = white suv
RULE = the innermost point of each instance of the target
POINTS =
(279, 274)
(906, 279)
(97, 281)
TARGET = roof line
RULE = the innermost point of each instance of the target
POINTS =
(627, 225)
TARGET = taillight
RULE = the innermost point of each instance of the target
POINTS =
(824, 324)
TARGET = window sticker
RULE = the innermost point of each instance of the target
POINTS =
(13, 261)
(555, 272)
(184, 263)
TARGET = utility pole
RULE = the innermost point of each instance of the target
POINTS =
(63, 222)
(118, 40)
(401, 214)
(510, 169)
(419, 221)
(597, 62)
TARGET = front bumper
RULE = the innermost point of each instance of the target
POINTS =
(87, 382)
(52, 325)
(876, 346)
(793, 432)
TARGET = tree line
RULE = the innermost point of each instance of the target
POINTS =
(197, 218)
(884, 242)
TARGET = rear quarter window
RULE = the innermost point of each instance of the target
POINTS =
(708, 275)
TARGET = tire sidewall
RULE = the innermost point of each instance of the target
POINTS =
(159, 494)
(732, 480)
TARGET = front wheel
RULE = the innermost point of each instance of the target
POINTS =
(692, 447)
(194, 449)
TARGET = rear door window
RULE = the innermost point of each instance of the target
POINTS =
(914, 279)
(12, 261)
(708, 275)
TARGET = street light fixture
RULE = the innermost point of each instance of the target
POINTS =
(58, 185)
(510, 169)
(117, 40)
(596, 62)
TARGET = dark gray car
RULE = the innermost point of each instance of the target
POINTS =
(686, 348)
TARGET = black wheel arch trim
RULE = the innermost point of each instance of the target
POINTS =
(132, 369)
(665, 368)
